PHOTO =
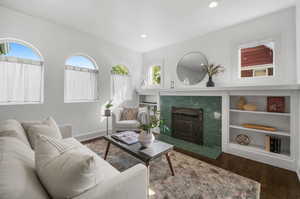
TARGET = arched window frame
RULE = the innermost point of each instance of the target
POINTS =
(95, 70)
(41, 62)
(149, 76)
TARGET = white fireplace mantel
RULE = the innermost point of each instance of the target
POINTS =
(146, 91)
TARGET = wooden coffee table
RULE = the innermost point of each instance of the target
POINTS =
(156, 150)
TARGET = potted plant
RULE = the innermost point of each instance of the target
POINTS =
(146, 137)
(107, 112)
(212, 70)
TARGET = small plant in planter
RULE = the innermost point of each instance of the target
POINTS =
(213, 70)
(146, 137)
(108, 106)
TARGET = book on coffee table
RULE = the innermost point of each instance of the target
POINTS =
(128, 137)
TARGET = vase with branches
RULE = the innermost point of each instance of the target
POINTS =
(213, 70)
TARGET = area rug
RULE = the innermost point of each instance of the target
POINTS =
(194, 179)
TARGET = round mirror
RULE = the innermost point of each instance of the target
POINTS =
(191, 68)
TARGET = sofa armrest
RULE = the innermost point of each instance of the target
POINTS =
(66, 130)
(130, 184)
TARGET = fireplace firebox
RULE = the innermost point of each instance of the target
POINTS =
(187, 124)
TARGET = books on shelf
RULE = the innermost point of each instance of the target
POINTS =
(272, 144)
(128, 137)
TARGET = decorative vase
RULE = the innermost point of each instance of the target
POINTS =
(241, 103)
(107, 113)
(210, 82)
(146, 138)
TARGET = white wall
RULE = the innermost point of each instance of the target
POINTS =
(298, 37)
(298, 67)
(56, 43)
(221, 47)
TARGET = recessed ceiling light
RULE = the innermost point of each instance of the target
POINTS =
(213, 4)
(143, 36)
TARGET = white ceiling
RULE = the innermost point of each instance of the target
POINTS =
(164, 21)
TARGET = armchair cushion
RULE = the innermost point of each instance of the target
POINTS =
(128, 123)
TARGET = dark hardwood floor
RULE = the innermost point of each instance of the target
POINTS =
(276, 183)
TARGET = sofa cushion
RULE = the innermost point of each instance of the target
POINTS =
(9, 134)
(18, 179)
(27, 124)
(14, 125)
(47, 127)
(67, 168)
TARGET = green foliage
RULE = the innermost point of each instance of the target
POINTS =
(156, 75)
(4, 48)
(154, 121)
(119, 70)
(109, 104)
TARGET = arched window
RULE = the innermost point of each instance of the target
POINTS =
(21, 73)
(81, 79)
(121, 84)
(155, 75)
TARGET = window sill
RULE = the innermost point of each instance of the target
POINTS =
(18, 103)
(82, 101)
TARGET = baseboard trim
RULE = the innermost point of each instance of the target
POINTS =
(90, 135)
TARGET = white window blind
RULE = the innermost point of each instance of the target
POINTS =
(122, 88)
(20, 81)
(80, 84)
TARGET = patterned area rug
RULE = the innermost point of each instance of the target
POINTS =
(194, 179)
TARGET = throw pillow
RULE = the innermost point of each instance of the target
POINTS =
(9, 134)
(48, 128)
(66, 167)
(129, 114)
(14, 125)
(27, 124)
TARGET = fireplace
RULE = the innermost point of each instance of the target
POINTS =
(187, 124)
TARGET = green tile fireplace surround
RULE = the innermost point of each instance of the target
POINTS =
(211, 127)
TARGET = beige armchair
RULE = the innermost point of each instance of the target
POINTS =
(125, 125)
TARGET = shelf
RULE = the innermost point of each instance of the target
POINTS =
(282, 133)
(148, 103)
(260, 112)
(258, 149)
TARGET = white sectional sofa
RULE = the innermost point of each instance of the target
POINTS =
(19, 180)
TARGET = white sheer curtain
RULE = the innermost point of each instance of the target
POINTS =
(20, 81)
(80, 84)
(122, 88)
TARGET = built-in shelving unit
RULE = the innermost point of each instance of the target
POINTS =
(276, 133)
(258, 149)
(260, 112)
